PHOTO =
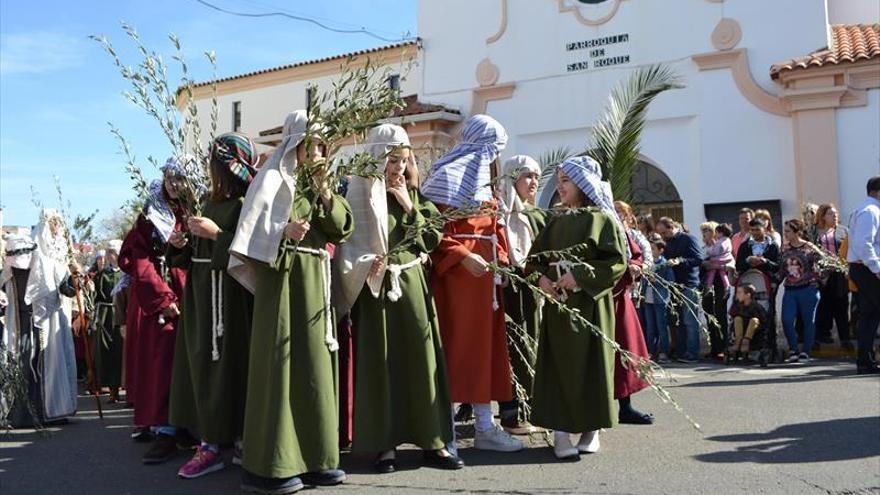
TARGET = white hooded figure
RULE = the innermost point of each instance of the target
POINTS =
(520, 233)
(57, 363)
(16, 336)
(267, 205)
(369, 241)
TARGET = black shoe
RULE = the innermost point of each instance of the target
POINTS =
(251, 483)
(450, 462)
(633, 417)
(385, 466)
(142, 434)
(868, 369)
(327, 477)
(185, 441)
(163, 448)
(464, 414)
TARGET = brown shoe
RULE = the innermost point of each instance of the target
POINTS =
(516, 427)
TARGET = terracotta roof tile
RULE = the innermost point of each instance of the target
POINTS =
(849, 43)
(417, 43)
(412, 107)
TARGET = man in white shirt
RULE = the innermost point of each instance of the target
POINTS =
(864, 270)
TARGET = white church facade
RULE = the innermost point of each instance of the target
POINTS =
(781, 103)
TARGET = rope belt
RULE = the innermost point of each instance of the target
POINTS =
(394, 272)
(217, 327)
(563, 267)
(329, 339)
(496, 278)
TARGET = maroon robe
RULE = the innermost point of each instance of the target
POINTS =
(149, 345)
(628, 330)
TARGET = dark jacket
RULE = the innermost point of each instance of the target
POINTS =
(687, 249)
(771, 254)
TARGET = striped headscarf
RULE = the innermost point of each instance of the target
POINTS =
(239, 153)
(587, 175)
(462, 177)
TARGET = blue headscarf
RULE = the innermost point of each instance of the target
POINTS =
(587, 175)
(462, 177)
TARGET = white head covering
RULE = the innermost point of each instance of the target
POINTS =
(48, 267)
(114, 245)
(369, 204)
(19, 251)
(267, 205)
(587, 175)
(462, 177)
(157, 210)
(519, 230)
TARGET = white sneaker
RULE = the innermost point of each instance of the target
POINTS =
(589, 442)
(792, 358)
(496, 439)
(562, 446)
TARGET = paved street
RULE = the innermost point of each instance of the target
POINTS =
(791, 429)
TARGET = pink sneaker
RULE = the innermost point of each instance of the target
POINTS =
(204, 462)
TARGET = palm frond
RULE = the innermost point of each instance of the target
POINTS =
(616, 136)
(549, 161)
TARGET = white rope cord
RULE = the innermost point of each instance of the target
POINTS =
(563, 267)
(394, 271)
(216, 307)
(497, 278)
(329, 339)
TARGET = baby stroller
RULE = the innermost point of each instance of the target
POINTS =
(764, 340)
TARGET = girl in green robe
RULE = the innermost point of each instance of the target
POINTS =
(574, 376)
(291, 418)
(401, 393)
(209, 378)
(522, 222)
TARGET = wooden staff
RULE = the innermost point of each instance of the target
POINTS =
(93, 383)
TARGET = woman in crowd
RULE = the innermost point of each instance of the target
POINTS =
(153, 310)
(209, 382)
(768, 221)
(799, 273)
(517, 189)
(834, 304)
(289, 216)
(574, 375)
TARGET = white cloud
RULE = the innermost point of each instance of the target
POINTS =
(39, 52)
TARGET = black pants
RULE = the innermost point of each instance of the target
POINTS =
(715, 304)
(869, 305)
(833, 309)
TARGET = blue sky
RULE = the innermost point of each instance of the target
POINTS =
(58, 89)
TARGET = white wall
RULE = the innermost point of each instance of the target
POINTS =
(853, 11)
(713, 143)
(265, 108)
(858, 150)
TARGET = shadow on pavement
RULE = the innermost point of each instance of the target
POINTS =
(806, 376)
(821, 441)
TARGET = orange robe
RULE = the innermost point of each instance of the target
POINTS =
(474, 334)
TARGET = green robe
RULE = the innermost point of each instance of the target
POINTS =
(401, 393)
(207, 396)
(291, 421)
(108, 338)
(574, 375)
(520, 306)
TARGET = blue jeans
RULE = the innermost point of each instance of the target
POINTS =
(800, 302)
(656, 328)
(688, 342)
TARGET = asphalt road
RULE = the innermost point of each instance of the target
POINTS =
(798, 429)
